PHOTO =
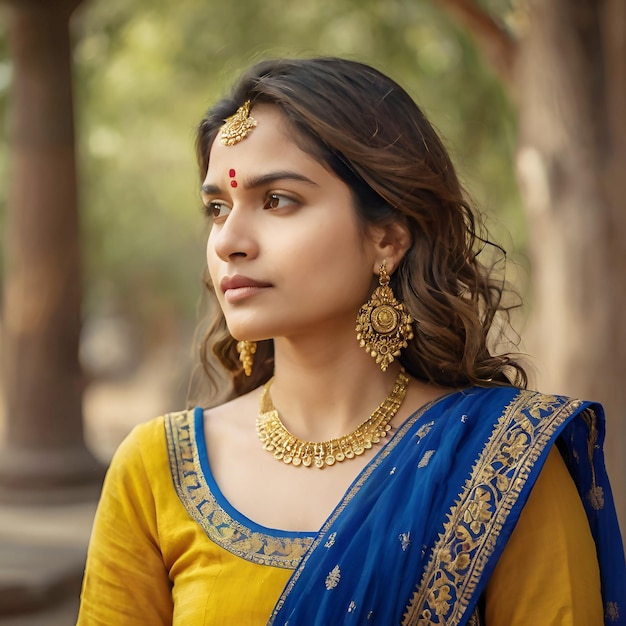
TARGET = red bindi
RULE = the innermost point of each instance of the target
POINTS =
(233, 183)
(231, 174)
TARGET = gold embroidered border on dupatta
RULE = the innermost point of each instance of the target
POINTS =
(470, 533)
(196, 496)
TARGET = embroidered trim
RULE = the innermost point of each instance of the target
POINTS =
(475, 619)
(200, 503)
(595, 495)
(474, 522)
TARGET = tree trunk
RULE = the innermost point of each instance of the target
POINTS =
(570, 90)
(567, 75)
(44, 446)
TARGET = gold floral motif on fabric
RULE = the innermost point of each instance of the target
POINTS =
(611, 611)
(196, 496)
(425, 460)
(333, 578)
(469, 535)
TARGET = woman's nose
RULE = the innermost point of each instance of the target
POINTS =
(235, 237)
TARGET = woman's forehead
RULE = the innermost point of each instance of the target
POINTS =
(270, 144)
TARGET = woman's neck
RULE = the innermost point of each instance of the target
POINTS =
(325, 389)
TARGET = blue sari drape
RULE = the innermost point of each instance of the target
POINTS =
(419, 532)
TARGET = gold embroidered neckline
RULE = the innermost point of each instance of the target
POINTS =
(292, 450)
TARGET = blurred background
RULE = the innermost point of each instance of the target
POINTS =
(527, 95)
(145, 72)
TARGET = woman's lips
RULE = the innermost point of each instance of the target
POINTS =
(237, 287)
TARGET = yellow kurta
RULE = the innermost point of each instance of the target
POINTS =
(151, 564)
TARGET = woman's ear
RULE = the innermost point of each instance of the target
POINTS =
(391, 242)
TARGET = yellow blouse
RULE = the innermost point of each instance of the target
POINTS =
(150, 564)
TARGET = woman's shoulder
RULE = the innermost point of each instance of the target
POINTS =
(144, 433)
(531, 398)
(492, 407)
(146, 442)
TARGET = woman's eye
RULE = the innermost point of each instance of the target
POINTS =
(277, 201)
(216, 209)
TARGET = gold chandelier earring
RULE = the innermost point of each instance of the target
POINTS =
(246, 351)
(383, 325)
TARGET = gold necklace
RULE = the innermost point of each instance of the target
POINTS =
(288, 448)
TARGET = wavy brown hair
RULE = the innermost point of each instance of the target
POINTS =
(365, 128)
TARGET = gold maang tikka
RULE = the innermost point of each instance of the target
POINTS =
(247, 350)
(383, 324)
(237, 126)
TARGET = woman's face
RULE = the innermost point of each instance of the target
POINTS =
(285, 251)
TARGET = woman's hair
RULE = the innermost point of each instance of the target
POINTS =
(365, 128)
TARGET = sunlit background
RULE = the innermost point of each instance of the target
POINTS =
(145, 72)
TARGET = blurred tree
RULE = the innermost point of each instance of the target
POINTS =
(43, 447)
(565, 69)
(5, 80)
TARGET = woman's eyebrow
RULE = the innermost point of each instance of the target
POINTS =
(261, 181)
(272, 177)
(211, 190)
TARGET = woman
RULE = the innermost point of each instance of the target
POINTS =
(392, 474)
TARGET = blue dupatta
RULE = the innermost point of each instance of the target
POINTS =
(417, 535)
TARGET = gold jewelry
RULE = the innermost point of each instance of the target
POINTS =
(237, 126)
(246, 351)
(288, 448)
(383, 325)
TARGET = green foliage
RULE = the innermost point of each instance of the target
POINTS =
(145, 71)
